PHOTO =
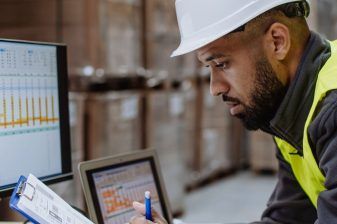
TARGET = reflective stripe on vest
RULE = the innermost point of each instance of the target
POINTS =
(305, 168)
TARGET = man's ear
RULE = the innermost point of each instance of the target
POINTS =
(278, 41)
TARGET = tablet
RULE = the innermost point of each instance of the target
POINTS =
(111, 184)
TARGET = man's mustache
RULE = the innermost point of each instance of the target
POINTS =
(226, 98)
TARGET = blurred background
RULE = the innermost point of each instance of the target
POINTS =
(126, 93)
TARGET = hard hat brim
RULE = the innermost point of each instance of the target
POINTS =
(185, 48)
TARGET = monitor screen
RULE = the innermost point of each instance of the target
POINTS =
(114, 188)
(34, 129)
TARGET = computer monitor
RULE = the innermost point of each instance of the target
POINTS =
(34, 126)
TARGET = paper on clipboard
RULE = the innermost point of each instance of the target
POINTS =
(42, 204)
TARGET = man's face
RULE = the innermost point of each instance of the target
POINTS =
(243, 76)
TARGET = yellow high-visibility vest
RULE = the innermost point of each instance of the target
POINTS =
(305, 168)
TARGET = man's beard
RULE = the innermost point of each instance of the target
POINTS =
(266, 97)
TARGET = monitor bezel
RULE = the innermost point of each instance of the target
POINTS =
(87, 168)
(62, 73)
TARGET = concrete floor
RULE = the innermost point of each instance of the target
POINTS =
(237, 199)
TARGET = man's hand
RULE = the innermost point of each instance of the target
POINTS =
(140, 217)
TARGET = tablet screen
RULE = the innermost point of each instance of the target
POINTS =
(114, 188)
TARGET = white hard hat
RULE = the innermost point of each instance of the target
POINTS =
(203, 21)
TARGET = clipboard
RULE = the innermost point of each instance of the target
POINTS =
(39, 204)
(17, 193)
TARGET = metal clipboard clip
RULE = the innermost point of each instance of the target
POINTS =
(26, 189)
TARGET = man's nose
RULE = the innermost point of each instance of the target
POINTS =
(218, 84)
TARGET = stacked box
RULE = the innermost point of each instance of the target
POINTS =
(166, 110)
(113, 124)
(120, 27)
(209, 150)
(262, 152)
(29, 20)
(71, 191)
(75, 33)
(163, 38)
(74, 22)
(216, 134)
(189, 129)
(103, 34)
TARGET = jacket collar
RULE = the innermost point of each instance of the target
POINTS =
(289, 120)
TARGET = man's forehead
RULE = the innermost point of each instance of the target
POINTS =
(218, 48)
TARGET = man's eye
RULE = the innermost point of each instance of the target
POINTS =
(222, 65)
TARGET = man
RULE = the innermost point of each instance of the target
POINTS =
(277, 76)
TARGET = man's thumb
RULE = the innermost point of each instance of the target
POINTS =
(139, 207)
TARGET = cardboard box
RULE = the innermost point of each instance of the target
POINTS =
(216, 134)
(71, 191)
(163, 37)
(166, 110)
(113, 124)
(29, 20)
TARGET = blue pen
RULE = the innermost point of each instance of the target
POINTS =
(148, 213)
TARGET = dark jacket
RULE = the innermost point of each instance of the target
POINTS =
(288, 203)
